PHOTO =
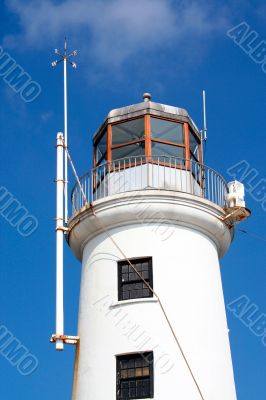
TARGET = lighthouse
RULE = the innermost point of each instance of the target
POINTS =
(149, 224)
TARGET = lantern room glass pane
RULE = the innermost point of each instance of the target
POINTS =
(167, 130)
(101, 147)
(128, 131)
(166, 151)
(132, 150)
(194, 145)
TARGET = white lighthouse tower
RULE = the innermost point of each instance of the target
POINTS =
(149, 224)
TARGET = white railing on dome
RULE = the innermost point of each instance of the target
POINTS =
(156, 172)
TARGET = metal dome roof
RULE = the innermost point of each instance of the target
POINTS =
(147, 107)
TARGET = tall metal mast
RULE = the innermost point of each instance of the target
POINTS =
(66, 59)
(61, 210)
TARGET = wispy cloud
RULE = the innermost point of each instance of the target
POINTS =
(261, 11)
(47, 115)
(116, 30)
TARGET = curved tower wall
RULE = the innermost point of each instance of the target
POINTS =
(185, 246)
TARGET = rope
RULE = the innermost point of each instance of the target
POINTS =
(252, 234)
(137, 272)
(75, 173)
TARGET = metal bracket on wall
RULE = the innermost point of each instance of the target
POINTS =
(235, 215)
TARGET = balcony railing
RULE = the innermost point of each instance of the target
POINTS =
(157, 172)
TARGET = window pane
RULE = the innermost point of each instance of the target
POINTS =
(131, 373)
(145, 274)
(167, 150)
(124, 373)
(167, 130)
(100, 171)
(123, 364)
(125, 269)
(146, 371)
(132, 150)
(194, 145)
(138, 362)
(101, 147)
(128, 131)
(145, 293)
(195, 168)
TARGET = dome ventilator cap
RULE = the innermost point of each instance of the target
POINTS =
(146, 97)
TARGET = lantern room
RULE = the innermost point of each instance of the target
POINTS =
(148, 132)
(149, 146)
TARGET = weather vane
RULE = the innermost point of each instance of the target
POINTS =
(66, 59)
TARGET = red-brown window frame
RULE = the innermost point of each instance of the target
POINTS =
(147, 139)
(109, 139)
(184, 146)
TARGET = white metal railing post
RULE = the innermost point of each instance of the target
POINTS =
(59, 240)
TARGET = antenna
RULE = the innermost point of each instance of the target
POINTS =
(204, 116)
(65, 58)
(59, 338)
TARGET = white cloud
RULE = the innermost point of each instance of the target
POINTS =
(113, 31)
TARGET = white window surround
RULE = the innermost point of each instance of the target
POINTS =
(133, 301)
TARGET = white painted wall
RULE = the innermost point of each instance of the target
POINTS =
(147, 176)
(187, 278)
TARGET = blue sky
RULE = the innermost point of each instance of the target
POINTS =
(173, 49)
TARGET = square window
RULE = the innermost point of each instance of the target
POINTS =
(135, 383)
(130, 284)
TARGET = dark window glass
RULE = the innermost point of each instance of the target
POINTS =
(135, 376)
(101, 171)
(128, 131)
(167, 151)
(132, 150)
(130, 285)
(196, 169)
(194, 146)
(167, 130)
(101, 147)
